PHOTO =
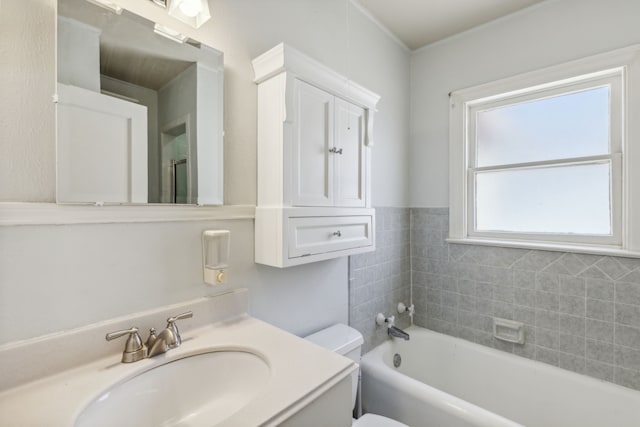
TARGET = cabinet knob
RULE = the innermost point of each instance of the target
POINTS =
(335, 150)
(337, 233)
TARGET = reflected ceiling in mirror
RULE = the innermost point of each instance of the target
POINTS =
(139, 111)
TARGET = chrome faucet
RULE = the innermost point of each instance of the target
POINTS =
(156, 344)
(169, 337)
(397, 332)
(161, 343)
(392, 330)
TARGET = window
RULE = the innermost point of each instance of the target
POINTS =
(538, 160)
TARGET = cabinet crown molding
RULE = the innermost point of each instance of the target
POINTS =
(284, 58)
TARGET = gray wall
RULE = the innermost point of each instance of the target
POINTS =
(55, 278)
(379, 280)
(581, 312)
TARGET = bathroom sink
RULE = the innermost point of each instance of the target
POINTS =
(199, 390)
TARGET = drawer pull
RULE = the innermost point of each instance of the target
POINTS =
(337, 233)
(335, 150)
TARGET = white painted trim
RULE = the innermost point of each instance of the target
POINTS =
(628, 61)
(547, 246)
(631, 158)
(562, 75)
(380, 25)
(458, 164)
(16, 214)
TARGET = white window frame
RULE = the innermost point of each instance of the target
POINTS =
(620, 70)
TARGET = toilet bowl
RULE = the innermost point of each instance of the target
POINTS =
(347, 342)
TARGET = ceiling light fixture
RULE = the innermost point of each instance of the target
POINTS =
(192, 12)
(190, 8)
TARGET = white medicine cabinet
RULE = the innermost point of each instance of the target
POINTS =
(314, 142)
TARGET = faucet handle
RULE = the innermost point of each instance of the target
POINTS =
(171, 324)
(391, 321)
(185, 315)
(133, 348)
(382, 320)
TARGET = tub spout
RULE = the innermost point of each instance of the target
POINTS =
(397, 332)
(389, 322)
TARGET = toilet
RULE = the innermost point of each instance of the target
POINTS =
(347, 342)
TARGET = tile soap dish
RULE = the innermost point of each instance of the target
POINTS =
(508, 330)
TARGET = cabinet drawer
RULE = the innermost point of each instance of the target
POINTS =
(316, 235)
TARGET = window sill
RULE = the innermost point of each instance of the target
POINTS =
(547, 246)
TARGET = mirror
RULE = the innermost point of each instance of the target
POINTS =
(139, 111)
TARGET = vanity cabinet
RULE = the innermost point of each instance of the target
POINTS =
(314, 142)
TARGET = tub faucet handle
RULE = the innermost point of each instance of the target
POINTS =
(402, 308)
(382, 320)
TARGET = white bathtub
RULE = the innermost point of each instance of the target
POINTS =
(448, 382)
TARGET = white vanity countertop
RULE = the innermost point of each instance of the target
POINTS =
(299, 373)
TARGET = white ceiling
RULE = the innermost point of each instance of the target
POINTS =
(421, 22)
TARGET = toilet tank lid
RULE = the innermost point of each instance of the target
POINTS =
(338, 338)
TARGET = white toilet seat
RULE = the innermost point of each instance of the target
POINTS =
(372, 420)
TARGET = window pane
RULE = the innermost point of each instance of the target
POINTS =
(564, 126)
(565, 199)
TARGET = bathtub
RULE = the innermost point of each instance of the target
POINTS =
(444, 381)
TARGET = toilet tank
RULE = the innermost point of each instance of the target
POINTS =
(344, 340)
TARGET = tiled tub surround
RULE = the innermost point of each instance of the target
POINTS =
(581, 312)
(379, 280)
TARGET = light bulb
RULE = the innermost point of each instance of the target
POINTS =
(190, 8)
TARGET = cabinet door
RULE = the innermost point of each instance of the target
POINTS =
(349, 155)
(312, 164)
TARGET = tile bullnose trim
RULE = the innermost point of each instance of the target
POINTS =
(544, 246)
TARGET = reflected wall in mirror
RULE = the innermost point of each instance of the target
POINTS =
(139, 114)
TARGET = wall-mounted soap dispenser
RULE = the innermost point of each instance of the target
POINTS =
(215, 255)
